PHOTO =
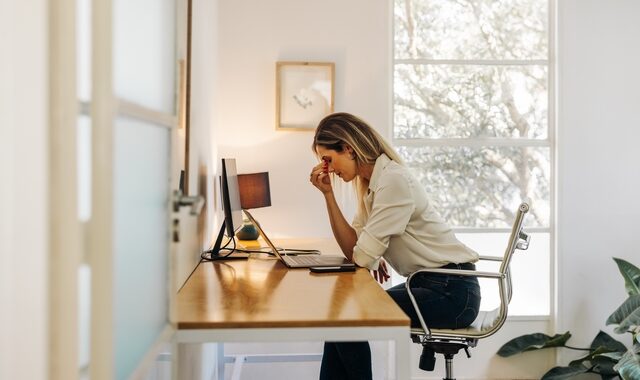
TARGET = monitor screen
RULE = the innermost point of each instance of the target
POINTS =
(230, 196)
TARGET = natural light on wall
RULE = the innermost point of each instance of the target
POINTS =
(472, 120)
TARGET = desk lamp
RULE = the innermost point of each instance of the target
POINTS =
(254, 193)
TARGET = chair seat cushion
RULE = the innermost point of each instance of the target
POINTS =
(484, 322)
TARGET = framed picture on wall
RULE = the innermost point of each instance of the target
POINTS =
(304, 94)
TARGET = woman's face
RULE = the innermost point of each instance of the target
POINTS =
(339, 163)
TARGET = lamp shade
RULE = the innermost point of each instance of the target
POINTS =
(254, 190)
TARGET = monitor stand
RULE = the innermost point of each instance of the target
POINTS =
(215, 251)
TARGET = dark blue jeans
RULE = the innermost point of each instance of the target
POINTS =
(445, 301)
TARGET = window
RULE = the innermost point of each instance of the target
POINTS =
(472, 118)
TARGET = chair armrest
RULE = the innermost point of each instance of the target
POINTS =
(458, 272)
(491, 258)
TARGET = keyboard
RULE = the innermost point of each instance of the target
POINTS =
(304, 260)
(313, 260)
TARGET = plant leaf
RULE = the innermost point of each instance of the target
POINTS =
(631, 275)
(531, 342)
(605, 340)
(604, 365)
(627, 314)
(561, 373)
(629, 365)
(615, 356)
(597, 353)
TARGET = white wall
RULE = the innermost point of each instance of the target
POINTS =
(197, 232)
(254, 35)
(203, 169)
(204, 107)
(598, 160)
(196, 360)
(23, 190)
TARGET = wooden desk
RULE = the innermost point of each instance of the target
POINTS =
(261, 300)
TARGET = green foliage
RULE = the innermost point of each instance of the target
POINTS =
(560, 373)
(629, 365)
(533, 342)
(627, 315)
(605, 356)
(631, 275)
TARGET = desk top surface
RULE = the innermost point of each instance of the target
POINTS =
(262, 292)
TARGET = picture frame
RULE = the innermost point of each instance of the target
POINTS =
(304, 94)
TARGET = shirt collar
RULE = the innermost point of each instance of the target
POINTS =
(381, 162)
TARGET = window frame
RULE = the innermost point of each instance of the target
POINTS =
(548, 142)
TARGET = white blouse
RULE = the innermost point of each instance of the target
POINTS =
(400, 223)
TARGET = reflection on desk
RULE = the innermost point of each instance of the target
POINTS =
(252, 290)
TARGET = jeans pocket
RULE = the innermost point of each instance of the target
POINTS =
(470, 311)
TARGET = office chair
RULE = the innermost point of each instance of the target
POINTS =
(450, 341)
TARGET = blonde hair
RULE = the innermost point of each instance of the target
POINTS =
(342, 129)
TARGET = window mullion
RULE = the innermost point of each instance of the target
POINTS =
(478, 62)
(485, 230)
(471, 142)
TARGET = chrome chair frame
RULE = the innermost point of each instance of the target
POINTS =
(449, 341)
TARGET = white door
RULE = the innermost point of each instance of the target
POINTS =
(133, 113)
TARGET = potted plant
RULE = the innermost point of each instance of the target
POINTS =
(605, 356)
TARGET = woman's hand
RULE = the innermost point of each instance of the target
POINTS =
(382, 274)
(319, 177)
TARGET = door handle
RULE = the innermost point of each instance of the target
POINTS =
(195, 201)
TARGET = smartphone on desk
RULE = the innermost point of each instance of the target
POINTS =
(337, 268)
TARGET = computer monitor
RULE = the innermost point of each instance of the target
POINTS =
(230, 196)
(230, 193)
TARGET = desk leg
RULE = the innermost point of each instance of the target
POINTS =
(403, 360)
(187, 361)
(193, 361)
(220, 362)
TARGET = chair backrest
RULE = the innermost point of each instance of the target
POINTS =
(517, 240)
(489, 322)
(449, 341)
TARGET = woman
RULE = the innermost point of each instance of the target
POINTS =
(396, 222)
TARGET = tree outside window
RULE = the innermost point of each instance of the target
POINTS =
(472, 113)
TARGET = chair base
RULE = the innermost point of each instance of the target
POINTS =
(427, 359)
(447, 348)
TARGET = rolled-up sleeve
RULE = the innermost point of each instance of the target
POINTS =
(358, 222)
(391, 211)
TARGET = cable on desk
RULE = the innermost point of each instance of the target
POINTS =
(286, 251)
(206, 255)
